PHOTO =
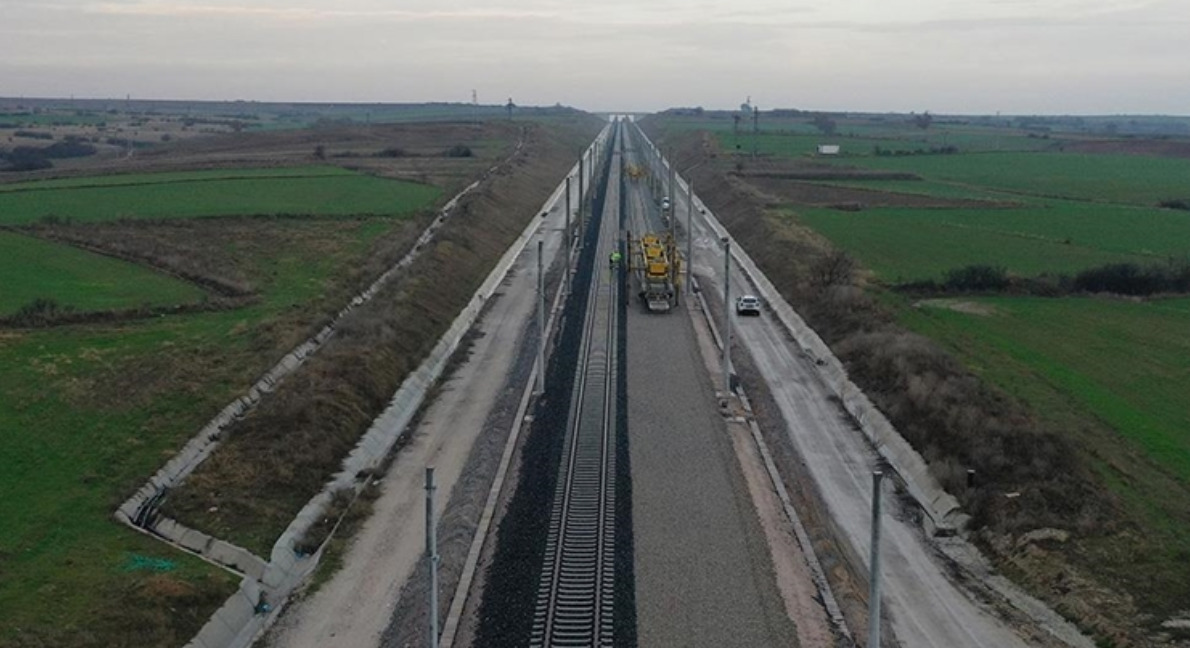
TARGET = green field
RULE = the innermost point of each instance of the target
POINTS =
(323, 191)
(797, 144)
(904, 244)
(935, 188)
(1126, 363)
(34, 269)
(1131, 179)
(1110, 375)
(89, 412)
(799, 137)
(51, 119)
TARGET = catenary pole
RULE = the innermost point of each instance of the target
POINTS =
(726, 315)
(432, 556)
(874, 593)
(689, 235)
(540, 317)
(581, 217)
(566, 284)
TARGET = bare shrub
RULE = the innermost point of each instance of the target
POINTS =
(833, 269)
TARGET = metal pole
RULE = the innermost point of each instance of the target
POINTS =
(432, 555)
(874, 594)
(540, 318)
(689, 235)
(726, 315)
(581, 217)
(671, 193)
(566, 284)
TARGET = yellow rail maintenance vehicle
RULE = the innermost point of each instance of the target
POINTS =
(653, 269)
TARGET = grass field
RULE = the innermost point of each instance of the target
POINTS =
(798, 137)
(934, 188)
(1111, 374)
(34, 269)
(1126, 362)
(903, 244)
(797, 144)
(93, 410)
(1131, 179)
(323, 191)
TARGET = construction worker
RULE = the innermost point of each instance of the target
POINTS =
(614, 259)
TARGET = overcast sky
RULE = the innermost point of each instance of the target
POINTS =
(946, 56)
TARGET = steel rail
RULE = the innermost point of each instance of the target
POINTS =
(575, 598)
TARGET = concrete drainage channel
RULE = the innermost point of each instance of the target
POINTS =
(243, 617)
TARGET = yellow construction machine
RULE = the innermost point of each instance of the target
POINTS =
(653, 268)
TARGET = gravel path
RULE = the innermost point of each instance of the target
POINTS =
(703, 573)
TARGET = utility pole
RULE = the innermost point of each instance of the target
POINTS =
(689, 235)
(540, 317)
(432, 555)
(726, 315)
(566, 285)
(874, 578)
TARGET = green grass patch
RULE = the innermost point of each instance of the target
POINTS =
(1129, 179)
(934, 188)
(139, 179)
(321, 191)
(1110, 375)
(52, 119)
(1126, 362)
(903, 244)
(34, 269)
(806, 144)
(796, 136)
(88, 413)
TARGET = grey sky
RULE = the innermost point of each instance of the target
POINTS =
(1015, 56)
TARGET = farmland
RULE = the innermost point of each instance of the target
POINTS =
(35, 269)
(1125, 362)
(902, 244)
(326, 191)
(798, 137)
(1130, 179)
(110, 403)
(1111, 374)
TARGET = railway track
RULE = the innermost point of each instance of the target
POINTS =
(576, 591)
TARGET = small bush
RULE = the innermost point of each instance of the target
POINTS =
(25, 158)
(977, 278)
(1175, 204)
(72, 147)
(1131, 279)
(39, 312)
(396, 152)
(459, 151)
(41, 135)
